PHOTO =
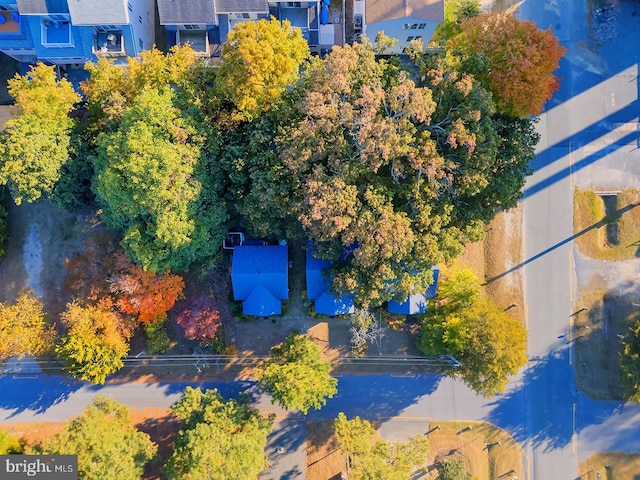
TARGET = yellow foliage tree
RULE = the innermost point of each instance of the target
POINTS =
(23, 329)
(96, 343)
(260, 61)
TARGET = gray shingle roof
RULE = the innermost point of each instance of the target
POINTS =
(382, 10)
(99, 12)
(32, 7)
(173, 12)
(239, 6)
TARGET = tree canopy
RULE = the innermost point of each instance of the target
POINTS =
(260, 60)
(35, 144)
(488, 343)
(149, 183)
(296, 376)
(220, 439)
(370, 457)
(106, 442)
(513, 58)
(96, 342)
(23, 328)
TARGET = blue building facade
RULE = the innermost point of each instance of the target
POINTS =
(69, 33)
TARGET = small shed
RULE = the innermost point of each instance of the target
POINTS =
(417, 303)
(324, 302)
(259, 277)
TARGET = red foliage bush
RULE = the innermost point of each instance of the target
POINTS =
(200, 320)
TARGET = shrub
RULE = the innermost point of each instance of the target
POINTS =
(157, 338)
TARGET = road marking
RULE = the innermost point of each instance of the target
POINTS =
(570, 339)
(571, 276)
(570, 166)
(573, 435)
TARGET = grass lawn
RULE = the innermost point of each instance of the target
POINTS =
(596, 343)
(610, 466)
(467, 440)
(607, 227)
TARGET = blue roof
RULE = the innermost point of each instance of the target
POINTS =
(261, 303)
(259, 276)
(325, 303)
(329, 304)
(416, 303)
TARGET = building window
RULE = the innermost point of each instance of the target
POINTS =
(129, 6)
(294, 4)
(105, 28)
(9, 8)
(192, 27)
(140, 19)
(58, 18)
(422, 26)
(243, 15)
(414, 26)
(406, 26)
(141, 43)
(414, 38)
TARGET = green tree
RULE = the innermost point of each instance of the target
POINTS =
(260, 60)
(488, 343)
(513, 58)
(149, 180)
(296, 376)
(370, 457)
(629, 361)
(23, 328)
(220, 439)
(453, 469)
(96, 342)
(106, 442)
(35, 145)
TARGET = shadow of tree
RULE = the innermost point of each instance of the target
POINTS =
(22, 394)
(550, 404)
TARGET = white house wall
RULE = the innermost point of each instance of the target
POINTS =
(139, 17)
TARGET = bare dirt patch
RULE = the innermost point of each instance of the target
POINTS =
(489, 451)
(601, 316)
(610, 466)
(497, 259)
(325, 460)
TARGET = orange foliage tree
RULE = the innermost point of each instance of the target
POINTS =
(103, 271)
(513, 58)
(148, 296)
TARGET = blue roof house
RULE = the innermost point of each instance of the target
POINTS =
(259, 277)
(416, 303)
(324, 302)
(69, 33)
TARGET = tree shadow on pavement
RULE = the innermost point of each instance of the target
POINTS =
(550, 416)
(35, 394)
(375, 396)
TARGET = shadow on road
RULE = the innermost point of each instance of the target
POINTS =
(550, 406)
(609, 218)
(21, 394)
(375, 396)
